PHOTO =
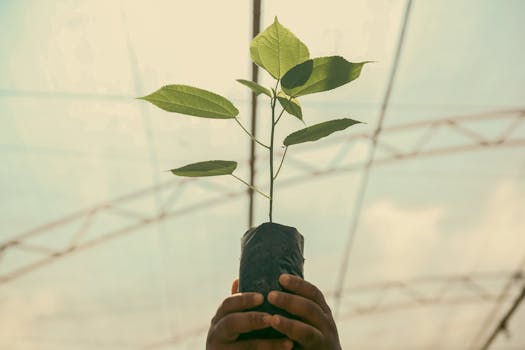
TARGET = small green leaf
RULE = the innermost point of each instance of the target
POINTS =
(318, 131)
(320, 74)
(256, 88)
(208, 168)
(192, 101)
(291, 106)
(277, 50)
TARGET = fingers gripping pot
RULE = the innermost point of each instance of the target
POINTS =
(267, 251)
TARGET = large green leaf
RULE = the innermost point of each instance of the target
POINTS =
(256, 88)
(291, 106)
(277, 50)
(320, 74)
(318, 131)
(192, 101)
(208, 168)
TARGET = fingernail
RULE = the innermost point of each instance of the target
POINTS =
(285, 278)
(275, 320)
(272, 297)
(267, 319)
(287, 344)
(258, 298)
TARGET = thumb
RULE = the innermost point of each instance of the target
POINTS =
(235, 286)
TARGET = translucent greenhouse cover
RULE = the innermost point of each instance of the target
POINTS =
(102, 248)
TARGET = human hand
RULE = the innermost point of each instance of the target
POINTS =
(232, 319)
(315, 329)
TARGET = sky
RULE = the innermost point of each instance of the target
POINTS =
(74, 138)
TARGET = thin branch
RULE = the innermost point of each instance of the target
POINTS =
(250, 186)
(280, 165)
(282, 112)
(249, 134)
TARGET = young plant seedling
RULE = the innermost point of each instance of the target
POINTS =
(278, 51)
(269, 249)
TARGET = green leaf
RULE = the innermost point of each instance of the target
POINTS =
(277, 50)
(256, 88)
(208, 168)
(318, 131)
(291, 106)
(320, 74)
(192, 101)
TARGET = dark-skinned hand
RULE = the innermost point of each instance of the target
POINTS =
(315, 329)
(232, 319)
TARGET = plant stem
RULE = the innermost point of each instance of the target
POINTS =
(280, 165)
(249, 134)
(272, 135)
(252, 187)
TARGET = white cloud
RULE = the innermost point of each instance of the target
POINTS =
(415, 241)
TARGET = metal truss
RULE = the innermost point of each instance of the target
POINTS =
(480, 288)
(133, 216)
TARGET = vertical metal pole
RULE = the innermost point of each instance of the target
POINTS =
(360, 197)
(503, 323)
(495, 311)
(256, 28)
